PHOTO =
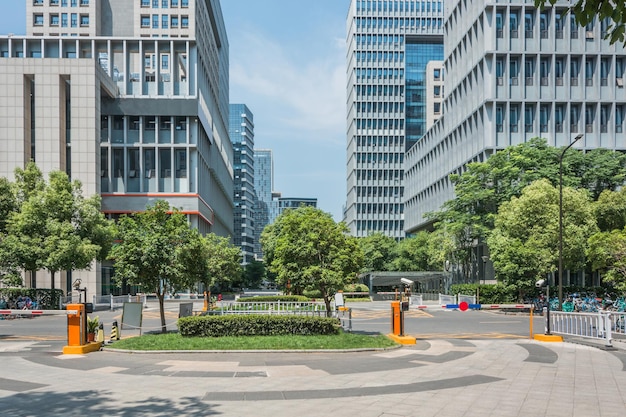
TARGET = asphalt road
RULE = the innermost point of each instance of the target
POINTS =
(374, 317)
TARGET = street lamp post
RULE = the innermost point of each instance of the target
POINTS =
(577, 138)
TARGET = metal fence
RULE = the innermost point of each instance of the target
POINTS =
(605, 326)
(278, 307)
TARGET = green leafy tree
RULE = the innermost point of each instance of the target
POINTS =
(7, 203)
(158, 250)
(254, 274)
(607, 252)
(484, 186)
(585, 11)
(53, 226)
(378, 251)
(524, 242)
(308, 250)
(610, 210)
(223, 261)
(413, 254)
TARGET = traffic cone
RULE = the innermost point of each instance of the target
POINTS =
(114, 332)
(100, 334)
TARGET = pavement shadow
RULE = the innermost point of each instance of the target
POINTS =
(98, 403)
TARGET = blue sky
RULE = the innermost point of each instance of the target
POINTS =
(287, 64)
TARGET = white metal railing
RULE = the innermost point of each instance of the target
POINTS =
(598, 326)
(447, 299)
(416, 300)
(469, 299)
(117, 301)
(278, 307)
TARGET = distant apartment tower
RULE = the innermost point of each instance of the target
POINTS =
(264, 203)
(513, 73)
(241, 130)
(285, 203)
(131, 98)
(390, 44)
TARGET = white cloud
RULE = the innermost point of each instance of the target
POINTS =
(298, 93)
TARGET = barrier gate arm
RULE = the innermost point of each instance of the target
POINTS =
(38, 312)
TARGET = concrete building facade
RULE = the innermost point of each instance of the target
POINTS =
(513, 73)
(389, 46)
(136, 115)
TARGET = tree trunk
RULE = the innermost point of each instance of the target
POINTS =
(329, 312)
(52, 280)
(161, 297)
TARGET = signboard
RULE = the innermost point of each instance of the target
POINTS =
(132, 315)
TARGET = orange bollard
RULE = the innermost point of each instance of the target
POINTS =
(76, 332)
(397, 325)
(75, 329)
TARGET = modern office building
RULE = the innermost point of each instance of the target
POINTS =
(241, 131)
(263, 188)
(130, 98)
(285, 203)
(390, 43)
(513, 73)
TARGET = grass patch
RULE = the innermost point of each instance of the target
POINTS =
(174, 341)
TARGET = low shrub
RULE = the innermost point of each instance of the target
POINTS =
(256, 325)
(273, 299)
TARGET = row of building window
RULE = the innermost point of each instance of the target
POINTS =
(379, 73)
(379, 56)
(63, 20)
(379, 140)
(380, 124)
(379, 208)
(373, 39)
(559, 117)
(380, 191)
(398, 22)
(379, 107)
(382, 225)
(136, 167)
(560, 66)
(544, 24)
(380, 157)
(378, 174)
(63, 3)
(164, 4)
(369, 90)
(425, 6)
(164, 21)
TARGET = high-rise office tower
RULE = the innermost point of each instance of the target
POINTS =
(241, 131)
(131, 98)
(263, 204)
(513, 73)
(390, 44)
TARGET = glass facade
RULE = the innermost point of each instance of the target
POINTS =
(263, 204)
(390, 44)
(241, 131)
(418, 54)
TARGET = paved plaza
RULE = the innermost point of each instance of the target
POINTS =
(453, 376)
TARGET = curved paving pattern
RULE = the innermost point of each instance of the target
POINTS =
(436, 377)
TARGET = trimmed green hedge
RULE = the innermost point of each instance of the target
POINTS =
(256, 325)
(273, 298)
(47, 299)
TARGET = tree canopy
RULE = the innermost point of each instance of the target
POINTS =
(309, 251)
(50, 225)
(378, 251)
(524, 241)
(158, 250)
